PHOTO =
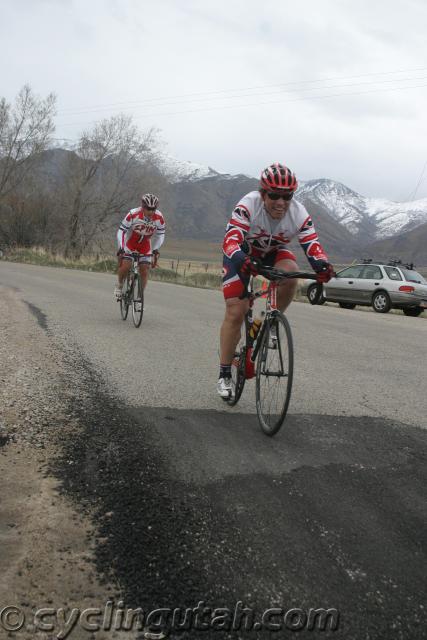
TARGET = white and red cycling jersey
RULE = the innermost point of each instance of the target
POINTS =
(141, 234)
(252, 229)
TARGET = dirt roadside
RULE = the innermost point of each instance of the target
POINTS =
(46, 546)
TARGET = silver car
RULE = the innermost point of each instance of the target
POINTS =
(382, 286)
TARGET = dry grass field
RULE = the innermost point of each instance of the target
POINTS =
(188, 262)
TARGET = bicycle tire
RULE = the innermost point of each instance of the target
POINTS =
(137, 301)
(238, 366)
(124, 300)
(237, 376)
(281, 353)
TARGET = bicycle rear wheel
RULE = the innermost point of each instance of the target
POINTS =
(137, 301)
(274, 374)
(238, 366)
(124, 300)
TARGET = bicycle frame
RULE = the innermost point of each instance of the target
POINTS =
(128, 297)
(133, 271)
(270, 311)
(272, 351)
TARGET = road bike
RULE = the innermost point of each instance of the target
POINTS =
(266, 353)
(133, 294)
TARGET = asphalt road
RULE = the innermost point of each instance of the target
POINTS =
(349, 363)
(194, 503)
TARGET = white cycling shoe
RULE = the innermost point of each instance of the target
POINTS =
(224, 387)
(118, 292)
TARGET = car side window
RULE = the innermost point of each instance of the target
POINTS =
(371, 272)
(393, 273)
(413, 276)
(351, 272)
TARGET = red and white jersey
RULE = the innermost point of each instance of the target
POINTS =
(140, 233)
(251, 226)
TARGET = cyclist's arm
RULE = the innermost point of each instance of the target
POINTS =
(125, 225)
(309, 241)
(158, 236)
(236, 232)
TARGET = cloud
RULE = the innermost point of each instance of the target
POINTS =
(330, 88)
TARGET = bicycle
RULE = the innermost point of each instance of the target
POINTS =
(133, 294)
(272, 351)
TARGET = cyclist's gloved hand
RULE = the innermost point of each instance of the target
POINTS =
(248, 268)
(243, 264)
(325, 271)
(120, 252)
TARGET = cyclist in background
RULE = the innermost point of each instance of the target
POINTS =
(261, 226)
(141, 231)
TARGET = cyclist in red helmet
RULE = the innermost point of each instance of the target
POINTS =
(261, 226)
(141, 231)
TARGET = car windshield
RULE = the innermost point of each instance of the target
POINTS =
(413, 276)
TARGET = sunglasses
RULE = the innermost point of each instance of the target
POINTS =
(150, 208)
(276, 196)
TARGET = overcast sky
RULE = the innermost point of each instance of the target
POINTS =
(334, 89)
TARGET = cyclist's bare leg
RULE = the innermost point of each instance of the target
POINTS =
(287, 289)
(235, 310)
(123, 270)
(143, 271)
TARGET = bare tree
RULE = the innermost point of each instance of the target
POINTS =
(103, 174)
(26, 219)
(25, 130)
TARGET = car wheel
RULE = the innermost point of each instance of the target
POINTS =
(413, 311)
(315, 294)
(346, 305)
(381, 302)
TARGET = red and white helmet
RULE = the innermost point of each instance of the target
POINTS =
(149, 201)
(277, 177)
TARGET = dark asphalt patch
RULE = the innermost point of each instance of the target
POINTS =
(193, 506)
(39, 315)
(4, 440)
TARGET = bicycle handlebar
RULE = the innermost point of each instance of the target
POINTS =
(271, 273)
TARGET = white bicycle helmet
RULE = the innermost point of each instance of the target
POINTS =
(149, 201)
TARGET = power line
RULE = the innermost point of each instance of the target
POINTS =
(414, 193)
(240, 106)
(208, 94)
(246, 95)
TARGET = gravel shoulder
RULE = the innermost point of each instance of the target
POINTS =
(46, 552)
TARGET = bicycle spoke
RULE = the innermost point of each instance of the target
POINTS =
(137, 301)
(124, 301)
(274, 375)
(238, 369)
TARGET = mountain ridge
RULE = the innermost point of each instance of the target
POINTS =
(361, 215)
(198, 202)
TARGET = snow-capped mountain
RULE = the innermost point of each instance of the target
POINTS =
(396, 217)
(373, 218)
(376, 218)
(177, 170)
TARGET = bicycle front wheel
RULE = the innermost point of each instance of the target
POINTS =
(124, 300)
(274, 373)
(137, 301)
